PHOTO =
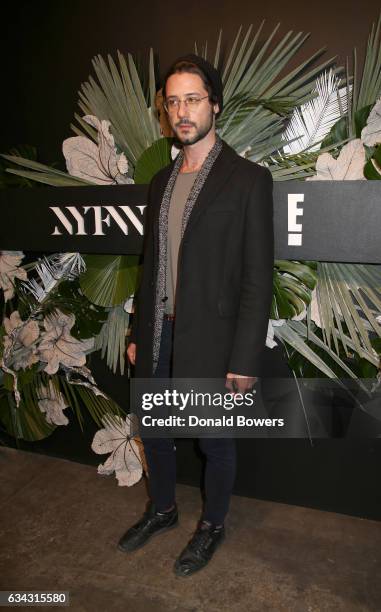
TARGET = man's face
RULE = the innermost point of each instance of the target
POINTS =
(190, 124)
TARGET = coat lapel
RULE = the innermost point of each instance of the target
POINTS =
(157, 198)
(218, 176)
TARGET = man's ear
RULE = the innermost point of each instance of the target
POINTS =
(216, 108)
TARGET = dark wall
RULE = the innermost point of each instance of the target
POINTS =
(47, 47)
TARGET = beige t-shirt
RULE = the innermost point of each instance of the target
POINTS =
(180, 193)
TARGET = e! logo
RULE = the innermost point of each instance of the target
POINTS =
(294, 228)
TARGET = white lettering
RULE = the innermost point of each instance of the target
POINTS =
(294, 239)
(66, 223)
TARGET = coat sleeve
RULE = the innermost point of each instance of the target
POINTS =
(147, 256)
(256, 289)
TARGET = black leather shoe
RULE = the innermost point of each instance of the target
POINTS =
(152, 523)
(199, 549)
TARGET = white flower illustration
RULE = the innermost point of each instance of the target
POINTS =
(58, 346)
(126, 451)
(99, 164)
(52, 403)
(348, 166)
(20, 342)
(9, 270)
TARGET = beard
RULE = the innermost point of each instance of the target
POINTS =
(200, 133)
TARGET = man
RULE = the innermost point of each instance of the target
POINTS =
(204, 299)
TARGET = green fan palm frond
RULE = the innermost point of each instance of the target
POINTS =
(349, 301)
(109, 280)
(251, 80)
(368, 89)
(27, 422)
(112, 338)
(292, 167)
(364, 92)
(266, 139)
(79, 397)
(294, 333)
(297, 166)
(156, 157)
(7, 180)
(43, 174)
(119, 97)
(308, 348)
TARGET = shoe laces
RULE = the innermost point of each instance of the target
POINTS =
(199, 540)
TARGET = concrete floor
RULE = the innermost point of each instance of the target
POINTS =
(60, 523)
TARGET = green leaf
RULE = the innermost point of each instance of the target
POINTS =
(26, 377)
(109, 280)
(8, 180)
(306, 369)
(8, 381)
(361, 117)
(82, 398)
(372, 172)
(293, 282)
(119, 97)
(156, 157)
(25, 421)
(337, 133)
(372, 169)
(42, 172)
(366, 369)
(376, 344)
(343, 291)
(112, 338)
(89, 318)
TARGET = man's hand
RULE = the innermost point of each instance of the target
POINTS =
(131, 352)
(238, 383)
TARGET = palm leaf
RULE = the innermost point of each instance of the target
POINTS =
(310, 123)
(6, 179)
(25, 421)
(295, 334)
(118, 96)
(112, 338)
(43, 174)
(156, 157)
(363, 94)
(369, 88)
(297, 166)
(293, 282)
(109, 280)
(79, 397)
(248, 70)
(349, 299)
(256, 101)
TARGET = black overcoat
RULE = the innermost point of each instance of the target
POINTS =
(225, 273)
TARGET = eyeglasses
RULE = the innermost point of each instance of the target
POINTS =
(171, 105)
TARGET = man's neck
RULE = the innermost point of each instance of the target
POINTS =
(195, 155)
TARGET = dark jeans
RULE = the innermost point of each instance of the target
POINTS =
(161, 457)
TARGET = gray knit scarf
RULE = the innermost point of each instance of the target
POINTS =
(163, 231)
